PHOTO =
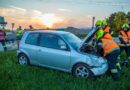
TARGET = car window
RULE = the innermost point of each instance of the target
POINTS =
(32, 39)
(73, 40)
(51, 41)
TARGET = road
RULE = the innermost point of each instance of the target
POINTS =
(10, 46)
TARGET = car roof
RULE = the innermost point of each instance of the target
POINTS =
(50, 31)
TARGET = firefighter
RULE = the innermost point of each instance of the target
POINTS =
(129, 24)
(106, 28)
(107, 48)
(19, 34)
(98, 26)
(2, 39)
(31, 28)
(124, 37)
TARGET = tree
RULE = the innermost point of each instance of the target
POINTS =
(128, 16)
(116, 20)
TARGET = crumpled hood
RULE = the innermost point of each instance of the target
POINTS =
(88, 37)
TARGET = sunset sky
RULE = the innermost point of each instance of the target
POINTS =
(59, 13)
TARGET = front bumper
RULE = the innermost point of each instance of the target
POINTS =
(100, 70)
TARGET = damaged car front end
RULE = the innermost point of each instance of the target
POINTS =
(99, 64)
(85, 53)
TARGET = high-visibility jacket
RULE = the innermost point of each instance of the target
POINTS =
(19, 32)
(128, 34)
(32, 29)
(2, 35)
(108, 44)
(125, 37)
(107, 29)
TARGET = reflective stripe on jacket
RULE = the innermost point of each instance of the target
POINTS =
(2, 35)
(108, 44)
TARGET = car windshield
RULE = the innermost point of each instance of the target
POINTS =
(73, 40)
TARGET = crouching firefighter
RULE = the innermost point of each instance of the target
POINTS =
(107, 48)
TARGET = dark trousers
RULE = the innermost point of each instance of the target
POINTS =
(126, 49)
(4, 45)
(112, 59)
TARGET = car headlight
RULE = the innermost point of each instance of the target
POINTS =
(97, 61)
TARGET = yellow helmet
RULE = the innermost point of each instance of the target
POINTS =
(126, 26)
(98, 23)
(104, 22)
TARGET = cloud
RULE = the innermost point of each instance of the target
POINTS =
(35, 13)
(64, 10)
(18, 8)
(38, 19)
(89, 16)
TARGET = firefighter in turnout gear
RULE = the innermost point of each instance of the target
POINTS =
(106, 28)
(124, 37)
(98, 27)
(107, 48)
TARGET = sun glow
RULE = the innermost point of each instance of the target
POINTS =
(50, 19)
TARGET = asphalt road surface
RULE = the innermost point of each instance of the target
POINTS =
(10, 46)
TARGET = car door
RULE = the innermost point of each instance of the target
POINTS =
(54, 52)
(31, 47)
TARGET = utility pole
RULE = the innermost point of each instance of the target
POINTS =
(12, 26)
(93, 22)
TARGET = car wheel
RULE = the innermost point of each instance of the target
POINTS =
(23, 59)
(82, 70)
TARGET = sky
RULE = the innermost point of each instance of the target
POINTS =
(59, 13)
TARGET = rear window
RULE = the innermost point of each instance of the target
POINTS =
(32, 39)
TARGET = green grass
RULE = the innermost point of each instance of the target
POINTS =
(16, 77)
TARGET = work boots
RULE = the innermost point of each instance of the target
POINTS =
(115, 76)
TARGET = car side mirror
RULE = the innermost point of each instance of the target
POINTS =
(63, 47)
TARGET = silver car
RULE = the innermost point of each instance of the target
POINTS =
(60, 50)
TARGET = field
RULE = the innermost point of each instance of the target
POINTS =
(16, 77)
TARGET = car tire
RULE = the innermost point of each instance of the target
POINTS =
(23, 59)
(82, 70)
